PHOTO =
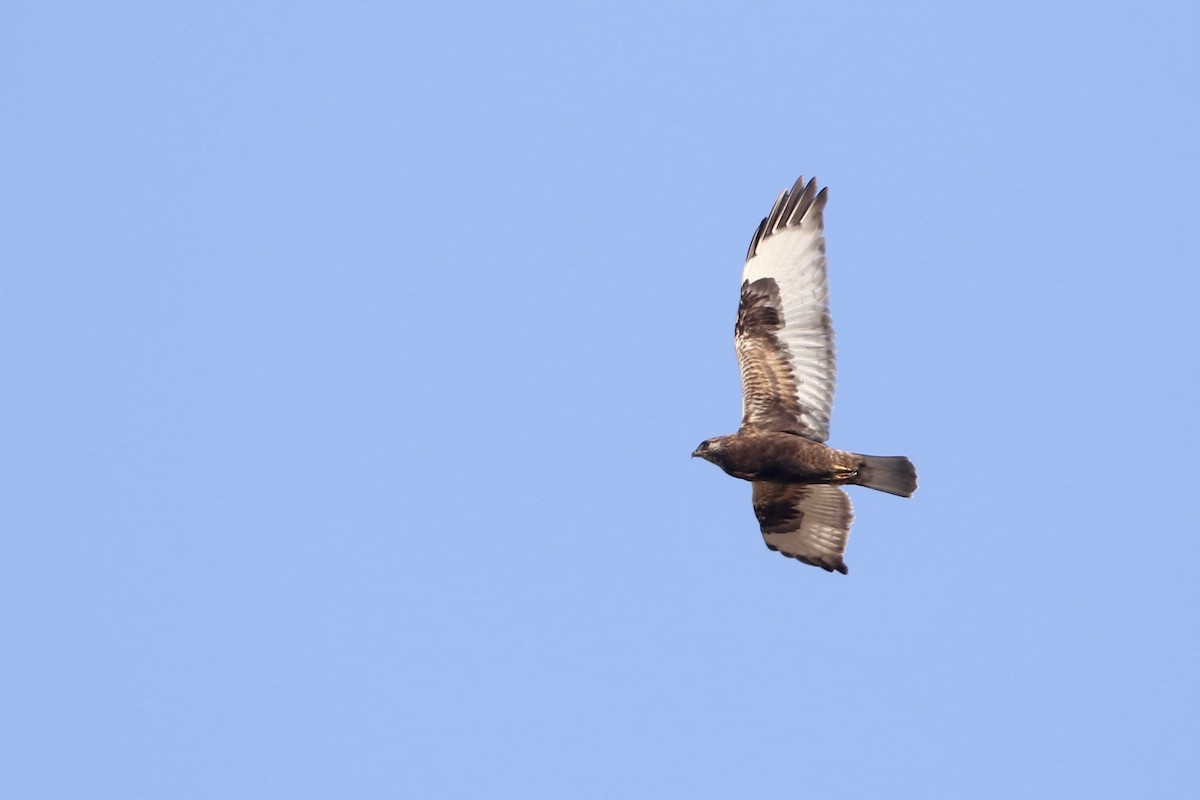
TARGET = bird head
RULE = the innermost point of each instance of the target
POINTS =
(709, 450)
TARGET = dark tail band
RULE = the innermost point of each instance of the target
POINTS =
(891, 474)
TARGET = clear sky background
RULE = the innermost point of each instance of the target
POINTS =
(353, 354)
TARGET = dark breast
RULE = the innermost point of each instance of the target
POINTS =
(775, 456)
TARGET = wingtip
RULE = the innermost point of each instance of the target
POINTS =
(791, 207)
(828, 566)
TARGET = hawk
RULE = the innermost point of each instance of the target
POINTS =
(784, 343)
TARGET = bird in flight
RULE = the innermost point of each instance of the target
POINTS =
(784, 343)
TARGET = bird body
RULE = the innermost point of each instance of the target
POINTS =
(784, 341)
(765, 455)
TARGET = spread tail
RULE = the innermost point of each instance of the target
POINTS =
(891, 474)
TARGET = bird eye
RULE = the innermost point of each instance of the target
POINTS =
(705, 445)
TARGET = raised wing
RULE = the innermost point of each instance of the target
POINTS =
(809, 523)
(784, 336)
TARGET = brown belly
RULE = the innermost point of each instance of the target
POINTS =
(786, 458)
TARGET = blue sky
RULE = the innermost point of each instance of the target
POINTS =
(353, 356)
